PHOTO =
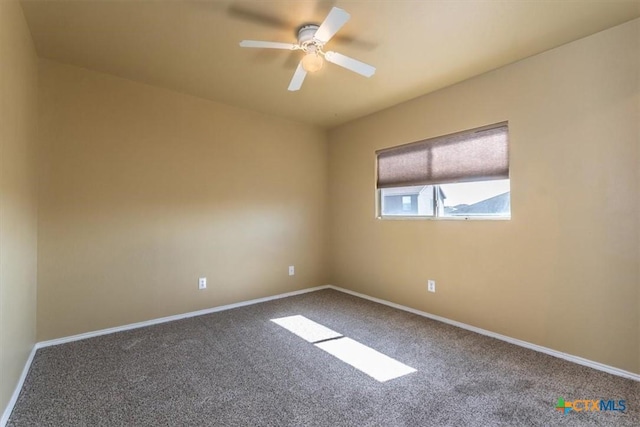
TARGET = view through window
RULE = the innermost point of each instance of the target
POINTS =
(468, 199)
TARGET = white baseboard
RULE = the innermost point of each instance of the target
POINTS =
(16, 392)
(14, 398)
(575, 359)
(92, 334)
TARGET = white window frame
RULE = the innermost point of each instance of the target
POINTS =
(438, 209)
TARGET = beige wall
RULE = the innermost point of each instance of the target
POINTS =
(18, 196)
(144, 190)
(563, 273)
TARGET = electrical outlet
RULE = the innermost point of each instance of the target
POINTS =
(431, 285)
(202, 283)
(292, 270)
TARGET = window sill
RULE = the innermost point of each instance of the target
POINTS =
(446, 218)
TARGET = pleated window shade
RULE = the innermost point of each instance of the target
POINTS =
(476, 155)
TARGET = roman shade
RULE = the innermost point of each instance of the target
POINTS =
(475, 155)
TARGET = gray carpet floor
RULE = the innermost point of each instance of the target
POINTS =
(237, 368)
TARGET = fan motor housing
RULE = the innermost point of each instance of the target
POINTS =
(306, 33)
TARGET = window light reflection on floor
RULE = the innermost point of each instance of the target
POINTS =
(373, 363)
(306, 329)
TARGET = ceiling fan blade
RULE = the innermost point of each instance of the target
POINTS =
(298, 78)
(332, 23)
(268, 45)
(350, 64)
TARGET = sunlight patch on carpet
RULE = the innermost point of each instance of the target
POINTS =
(306, 329)
(373, 363)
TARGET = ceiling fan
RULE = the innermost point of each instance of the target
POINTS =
(311, 40)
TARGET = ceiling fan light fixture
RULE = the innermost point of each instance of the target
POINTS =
(312, 62)
(311, 40)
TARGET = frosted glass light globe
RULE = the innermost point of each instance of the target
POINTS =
(312, 62)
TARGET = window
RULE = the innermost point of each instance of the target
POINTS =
(464, 175)
(408, 201)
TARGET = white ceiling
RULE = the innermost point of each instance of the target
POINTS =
(417, 46)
